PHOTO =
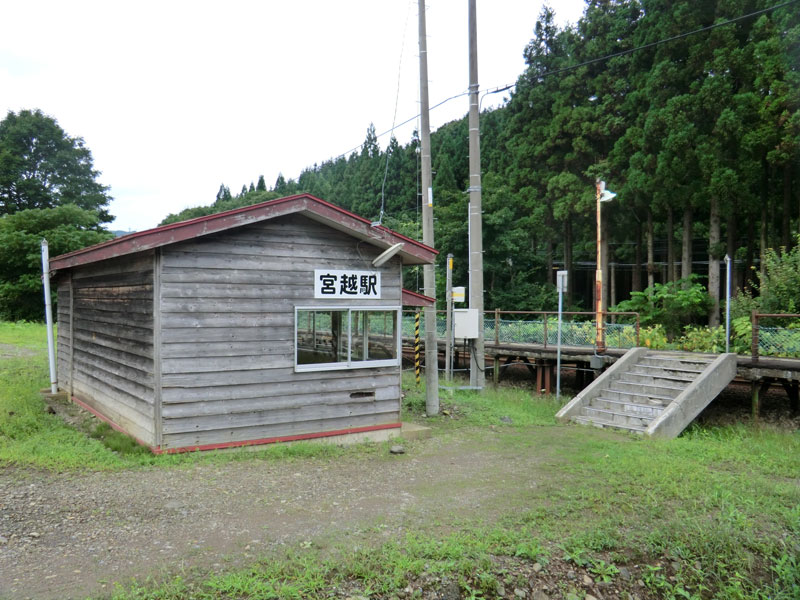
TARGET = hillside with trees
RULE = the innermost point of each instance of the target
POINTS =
(698, 134)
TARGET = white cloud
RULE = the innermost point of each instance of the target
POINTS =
(174, 98)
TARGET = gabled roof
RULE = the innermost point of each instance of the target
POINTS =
(412, 253)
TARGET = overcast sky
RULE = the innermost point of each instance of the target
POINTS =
(174, 98)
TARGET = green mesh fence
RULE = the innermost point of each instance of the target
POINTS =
(573, 333)
(779, 341)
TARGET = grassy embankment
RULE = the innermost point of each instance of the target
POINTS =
(712, 514)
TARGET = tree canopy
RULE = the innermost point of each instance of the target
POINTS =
(66, 228)
(48, 189)
(43, 167)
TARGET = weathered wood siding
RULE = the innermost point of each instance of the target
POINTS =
(227, 337)
(110, 367)
(64, 334)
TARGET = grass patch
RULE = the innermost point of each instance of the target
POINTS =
(714, 513)
(679, 516)
(31, 437)
(501, 406)
(24, 335)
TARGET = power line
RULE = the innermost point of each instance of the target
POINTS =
(415, 117)
(394, 116)
(651, 44)
(589, 62)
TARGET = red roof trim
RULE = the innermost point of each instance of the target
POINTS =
(415, 299)
(193, 228)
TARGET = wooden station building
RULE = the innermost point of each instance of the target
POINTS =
(266, 323)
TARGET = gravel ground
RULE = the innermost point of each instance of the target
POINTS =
(72, 535)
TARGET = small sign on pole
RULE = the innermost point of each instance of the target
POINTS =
(459, 294)
(561, 284)
(561, 281)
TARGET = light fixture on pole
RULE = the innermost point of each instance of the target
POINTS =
(603, 195)
(387, 254)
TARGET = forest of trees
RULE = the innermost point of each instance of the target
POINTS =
(698, 136)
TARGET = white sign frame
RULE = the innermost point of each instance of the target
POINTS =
(358, 285)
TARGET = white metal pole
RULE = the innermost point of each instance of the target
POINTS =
(561, 278)
(727, 303)
(48, 312)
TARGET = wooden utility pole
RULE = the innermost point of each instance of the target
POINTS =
(477, 376)
(448, 328)
(429, 273)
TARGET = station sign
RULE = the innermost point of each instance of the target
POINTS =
(347, 283)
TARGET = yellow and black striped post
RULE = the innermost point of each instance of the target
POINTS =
(416, 346)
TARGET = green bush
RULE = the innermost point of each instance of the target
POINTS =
(778, 285)
(653, 337)
(672, 305)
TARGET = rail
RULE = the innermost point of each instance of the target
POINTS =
(777, 341)
(542, 329)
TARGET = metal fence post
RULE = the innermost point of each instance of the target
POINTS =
(754, 342)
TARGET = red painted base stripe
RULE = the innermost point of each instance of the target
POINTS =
(272, 440)
(275, 440)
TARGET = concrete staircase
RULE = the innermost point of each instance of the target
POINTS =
(655, 393)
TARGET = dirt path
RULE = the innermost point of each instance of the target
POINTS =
(72, 535)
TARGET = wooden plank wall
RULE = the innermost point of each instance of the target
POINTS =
(64, 334)
(112, 360)
(227, 325)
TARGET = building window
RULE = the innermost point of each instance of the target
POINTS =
(346, 338)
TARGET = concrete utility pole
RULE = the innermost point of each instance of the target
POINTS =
(429, 273)
(477, 376)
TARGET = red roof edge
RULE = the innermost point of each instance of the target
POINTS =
(192, 228)
(415, 299)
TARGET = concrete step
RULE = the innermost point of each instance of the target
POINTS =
(656, 391)
(621, 406)
(677, 355)
(669, 363)
(658, 378)
(601, 424)
(615, 418)
(635, 398)
(652, 392)
(679, 371)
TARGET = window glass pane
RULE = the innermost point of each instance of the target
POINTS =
(321, 336)
(374, 335)
(358, 335)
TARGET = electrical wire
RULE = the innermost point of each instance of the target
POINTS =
(650, 45)
(394, 117)
(504, 88)
(406, 122)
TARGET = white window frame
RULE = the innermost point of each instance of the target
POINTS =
(351, 364)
